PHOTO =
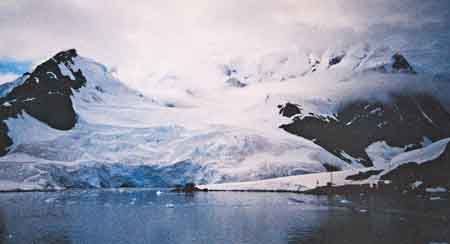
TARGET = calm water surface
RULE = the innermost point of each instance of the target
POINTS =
(141, 216)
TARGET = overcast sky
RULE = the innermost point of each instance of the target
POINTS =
(140, 37)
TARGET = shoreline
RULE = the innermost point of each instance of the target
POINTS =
(320, 191)
(28, 190)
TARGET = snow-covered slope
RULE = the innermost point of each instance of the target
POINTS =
(402, 171)
(71, 123)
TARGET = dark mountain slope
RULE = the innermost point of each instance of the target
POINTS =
(405, 121)
(44, 94)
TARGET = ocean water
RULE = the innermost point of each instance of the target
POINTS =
(143, 216)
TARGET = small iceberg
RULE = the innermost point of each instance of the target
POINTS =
(436, 190)
(50, 200)
(133, 201)
(158, 193)
(435, 198)
(170, 205)
(344, 201)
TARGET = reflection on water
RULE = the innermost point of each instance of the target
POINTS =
(140, 216)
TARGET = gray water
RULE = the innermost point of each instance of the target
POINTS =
(141, 216)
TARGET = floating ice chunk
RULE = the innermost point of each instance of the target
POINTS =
(158, 193)
(133, 201)
(344, 201)
(435, 198)
(50, 200)
(436, 190)
(363, 211)
(170, 205)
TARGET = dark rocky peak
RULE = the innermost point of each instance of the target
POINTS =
(403, 122)
(335, 60)
(48, 81)
(44, 94)
(48, 77)
(400, 64)
(66, 56)
(289, 110)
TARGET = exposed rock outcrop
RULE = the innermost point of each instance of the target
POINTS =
(234, 82)
(44, 94)
(335, 60)
(400, 64)
(404, 122)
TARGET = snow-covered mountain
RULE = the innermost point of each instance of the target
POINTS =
(71, 123)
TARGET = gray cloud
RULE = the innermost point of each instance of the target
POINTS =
(141, 37)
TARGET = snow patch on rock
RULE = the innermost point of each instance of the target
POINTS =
(381, 154)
